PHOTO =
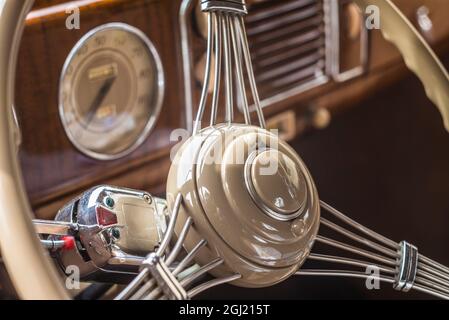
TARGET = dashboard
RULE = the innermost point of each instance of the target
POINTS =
(97, 103)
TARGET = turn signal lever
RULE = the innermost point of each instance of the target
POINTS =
(106, 232)
(127, 237)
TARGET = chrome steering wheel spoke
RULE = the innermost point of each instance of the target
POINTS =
(397, 263)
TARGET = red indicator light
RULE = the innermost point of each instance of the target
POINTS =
(105, 217)
(69, 243)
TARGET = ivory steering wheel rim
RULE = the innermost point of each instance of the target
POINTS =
(33, 273)
(16, 229)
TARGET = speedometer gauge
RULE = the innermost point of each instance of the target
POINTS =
(111, 91)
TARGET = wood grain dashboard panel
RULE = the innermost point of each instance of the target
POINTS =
(55, 171)
(52, 166)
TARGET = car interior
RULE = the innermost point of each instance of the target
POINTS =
(138, 140)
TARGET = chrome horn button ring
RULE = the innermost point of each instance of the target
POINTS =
(276, 184)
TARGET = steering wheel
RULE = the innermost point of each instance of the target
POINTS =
(230, 256)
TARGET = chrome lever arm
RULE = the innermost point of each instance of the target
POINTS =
(57, 228)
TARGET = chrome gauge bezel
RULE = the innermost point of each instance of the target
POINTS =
(156, 107)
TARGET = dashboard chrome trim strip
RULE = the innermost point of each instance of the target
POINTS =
(186, 63)
(337, 74)
(51, 10)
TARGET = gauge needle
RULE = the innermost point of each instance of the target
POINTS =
(93, 108)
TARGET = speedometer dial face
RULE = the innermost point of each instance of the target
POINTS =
(111, 91)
